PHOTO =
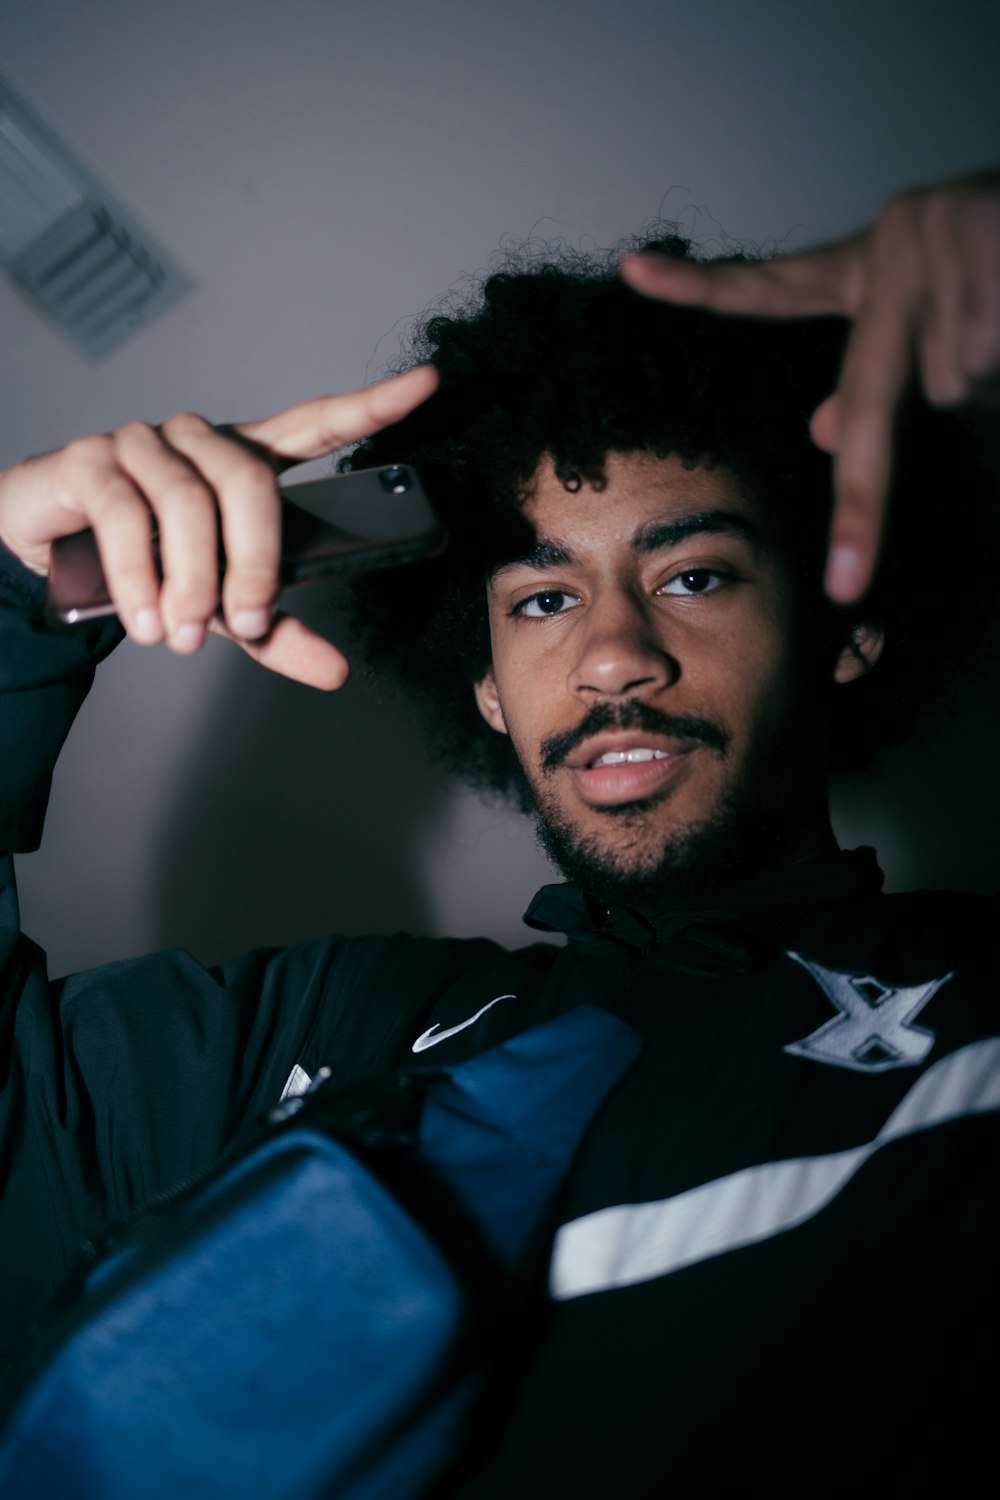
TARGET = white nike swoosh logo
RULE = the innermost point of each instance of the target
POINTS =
(433, 1035)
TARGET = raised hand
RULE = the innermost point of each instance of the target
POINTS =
(194, 478)
(922, 286)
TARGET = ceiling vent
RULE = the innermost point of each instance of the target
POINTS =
(69, 244)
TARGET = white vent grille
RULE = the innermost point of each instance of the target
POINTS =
(69, 245)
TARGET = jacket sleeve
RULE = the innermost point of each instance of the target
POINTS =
(119, 1082)
(44, 677)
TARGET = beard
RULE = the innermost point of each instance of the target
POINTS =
(744, 831)
(719, 851)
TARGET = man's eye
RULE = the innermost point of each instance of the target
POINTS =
(694, 581)
(548, 602)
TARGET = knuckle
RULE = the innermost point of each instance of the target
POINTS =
(249, 591)
(255, 478)
(981, 354)
(184, 490)
(185, 424)
(132, 575)
(257, 565)
(330, 426)
(936, 209)
(938, 373)
(898, 221)
(936, 386)
(93, 451)
(855, 284)
(136, 431)
(113, 498)
(192, 590)
(856, 508)
(974, 310)
(941, 367)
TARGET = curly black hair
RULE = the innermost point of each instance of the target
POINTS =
(555, 355)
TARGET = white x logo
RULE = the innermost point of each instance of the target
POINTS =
(874, 1030)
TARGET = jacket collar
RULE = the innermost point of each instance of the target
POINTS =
(713, 932)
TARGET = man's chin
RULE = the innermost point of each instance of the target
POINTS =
(629, 862)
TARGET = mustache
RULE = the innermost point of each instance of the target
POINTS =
(633, 714)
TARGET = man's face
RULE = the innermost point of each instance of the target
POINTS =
(659, 680)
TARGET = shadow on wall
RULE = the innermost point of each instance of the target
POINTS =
(933, 809)
(308, 813)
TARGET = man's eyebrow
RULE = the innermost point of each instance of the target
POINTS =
(543, 555)
(654, 536)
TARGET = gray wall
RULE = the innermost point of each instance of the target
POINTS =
(325, 171)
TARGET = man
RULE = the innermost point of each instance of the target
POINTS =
(774, 1255)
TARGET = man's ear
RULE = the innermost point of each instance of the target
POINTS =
(862, 651)
(489, 702)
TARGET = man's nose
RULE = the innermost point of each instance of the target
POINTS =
(621, 652)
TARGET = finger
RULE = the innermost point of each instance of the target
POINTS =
(185, 508)
(824, 424)
(979, 296)
(939, 335)
(293, 650)
(328, 422)
(121, 524)
(82, 486)
(874, 375)
(245, 490)
(820, 281)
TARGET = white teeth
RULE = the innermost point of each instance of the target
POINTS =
(634, 757)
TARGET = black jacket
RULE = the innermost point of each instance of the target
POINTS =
(778, 1249)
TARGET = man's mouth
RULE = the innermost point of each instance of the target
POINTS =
(629, 733)
(612, 769)
(630, 752)
(629, 757)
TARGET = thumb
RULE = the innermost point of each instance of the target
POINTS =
(292, 650)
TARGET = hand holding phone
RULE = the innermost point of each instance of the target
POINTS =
(189, 484)
(370, 518)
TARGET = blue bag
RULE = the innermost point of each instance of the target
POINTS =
(316, 1319)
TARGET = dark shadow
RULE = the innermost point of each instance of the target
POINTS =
(933, 810)
(303, 813)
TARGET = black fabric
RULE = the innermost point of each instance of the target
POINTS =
(836, 1352)
(44, 677)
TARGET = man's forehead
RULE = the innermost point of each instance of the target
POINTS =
(648, 536)
(646, 504)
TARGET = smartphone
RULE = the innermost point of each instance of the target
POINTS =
(371, 518)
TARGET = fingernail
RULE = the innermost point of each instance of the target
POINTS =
(251, 624)
(845, 574)
(146, 627)
(187, 639)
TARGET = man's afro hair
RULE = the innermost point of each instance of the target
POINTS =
(553, 354)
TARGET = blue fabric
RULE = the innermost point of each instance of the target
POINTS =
(502, 1127)
(304, 1336)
